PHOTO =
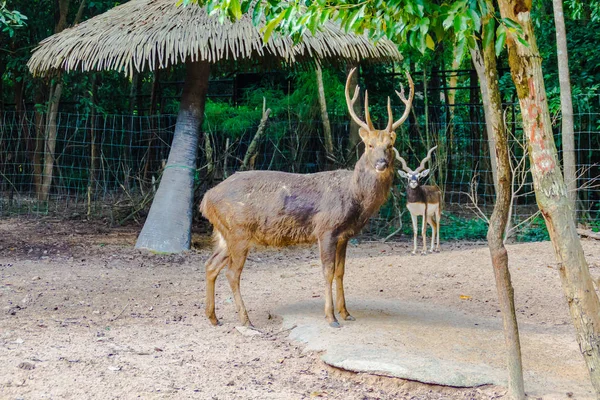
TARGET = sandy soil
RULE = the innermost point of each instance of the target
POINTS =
(84, 315)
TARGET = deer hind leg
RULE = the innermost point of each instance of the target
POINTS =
(340, 266)
(238, 254)
(415, 224)
(328, 247)
(214, 265)
(431, 221)
(424, 233)
(438, 216)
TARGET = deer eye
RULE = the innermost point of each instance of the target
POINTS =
(370, 146)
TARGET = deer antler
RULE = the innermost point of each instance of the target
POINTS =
(367, 114)
(422, 165)
(402, 161)
(407, 102)
(350, 102)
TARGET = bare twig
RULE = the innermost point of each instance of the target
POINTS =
(121, 313)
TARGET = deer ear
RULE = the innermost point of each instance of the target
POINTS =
(364, 134)
(424, 173)
(403, 174)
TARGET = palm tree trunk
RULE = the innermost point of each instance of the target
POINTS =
(566, 105)
(550, 189)
(168, 226)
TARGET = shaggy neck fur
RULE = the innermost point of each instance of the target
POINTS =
(369, 187)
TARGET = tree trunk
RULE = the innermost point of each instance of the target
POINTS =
(155, 94)
(324, 115)
(250, 155)
(550, 189)
(566, 105)
(169, 223)
(487, 71)
(38, 150)
(50, 140)
(93, 146)
(2, 70)
(53, 104)
(488, 111)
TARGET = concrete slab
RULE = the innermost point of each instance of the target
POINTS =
(439, 345)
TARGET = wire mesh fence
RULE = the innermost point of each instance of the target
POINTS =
(109, 166)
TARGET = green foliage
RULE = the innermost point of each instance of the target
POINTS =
(411, 24)
(10, 20)
(235, 121)
(301, 106)
(459, 228)
(536, 231)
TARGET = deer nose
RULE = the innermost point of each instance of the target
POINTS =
(381, 165)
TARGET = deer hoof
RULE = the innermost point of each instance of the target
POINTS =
(413, 253)
(335, 324)
(215, 321)
(349, 318)
(423, 253)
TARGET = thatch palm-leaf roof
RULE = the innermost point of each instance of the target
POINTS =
(152, 34)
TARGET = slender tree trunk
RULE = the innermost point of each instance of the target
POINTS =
(250, 155)
(93, 147)
(550, 189)
(54, 102)
(50, 140)
(169, 223)
(566, 105)
(324, 115)
(478, 62)
(38, 150)
(486, 67)
(155, 94)
(2, 70)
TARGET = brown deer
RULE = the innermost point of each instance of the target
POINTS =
(280, 209)
(422, 200)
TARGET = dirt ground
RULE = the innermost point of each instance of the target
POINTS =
(84, 315)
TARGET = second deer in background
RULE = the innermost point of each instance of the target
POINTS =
(422, 200)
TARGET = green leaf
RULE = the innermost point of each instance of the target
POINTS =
(522, 41)
(488, 32)
(500, 39)
(429, 42)
(448, 21)
(257, 13)
(268, 29)
(512, 24)
(235, 9)
(460, 50)
(460, 23)
(475, 18)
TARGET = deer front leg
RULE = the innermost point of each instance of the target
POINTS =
(340, 266)
(328, 247)
(415, 225)
(239, 252)
(431, 221)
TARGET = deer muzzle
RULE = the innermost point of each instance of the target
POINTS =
(381, 165)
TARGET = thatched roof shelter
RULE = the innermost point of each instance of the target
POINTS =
(152, 34)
